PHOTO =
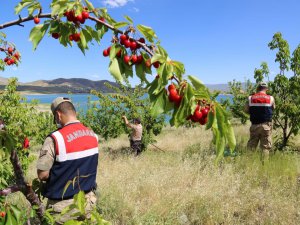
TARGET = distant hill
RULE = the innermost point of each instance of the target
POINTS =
(62, 85)
(77, 85)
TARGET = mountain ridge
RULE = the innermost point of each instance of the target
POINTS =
(77, 85)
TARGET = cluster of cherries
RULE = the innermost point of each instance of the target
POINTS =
(133, 58)
(71, 17)
(200, 114)
(12, 56)
(174, 95)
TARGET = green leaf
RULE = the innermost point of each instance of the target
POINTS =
(120, 24)
(33, 7)
(211, 118)
(113, 51)
(196, 82)
(158, 57)
(73, 222)
(89, 5)
(179, 69)
(17, 213)
(141, 73)
(83, 41)
(10, 220)
(66, 187)
(22, 5)
(220, 119)
(81, 202)
(148, 32)
(129, 19)
(114, 69)
(230, 137)
(158, 105)
(37, 33)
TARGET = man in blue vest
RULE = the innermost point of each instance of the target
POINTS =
(260, 106)
(69, 153)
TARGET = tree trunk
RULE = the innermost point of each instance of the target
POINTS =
(24, 187)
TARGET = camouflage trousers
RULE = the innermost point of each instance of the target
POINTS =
(136, 146)
(261, 133)
(58, 206)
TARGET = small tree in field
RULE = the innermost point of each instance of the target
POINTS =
(104, 115)
(286, 91)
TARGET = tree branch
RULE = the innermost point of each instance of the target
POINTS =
(11, 189)
(24, 19)
(26, 189)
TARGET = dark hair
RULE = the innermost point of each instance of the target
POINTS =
(137, 120)
(261, 88)
(66, 108)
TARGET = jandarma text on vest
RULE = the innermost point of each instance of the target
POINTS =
(260, 96)
(79, 133)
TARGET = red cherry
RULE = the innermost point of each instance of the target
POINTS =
(177, 100)
(197, 115)
(133, 58)
(126, 59)
(119, 53)
(79, 17)
(203, 120)
(81, 20)
(148, 63)
(127, 43)
(108, 49)
(71, 16)
(133, 45)
(142, 40)
(139, 59)
(123, 37)
(173, 95)
(2, 214)
(76, 37)
(171, 86)
(205, 111)
(105, 53)
(36, 20)
(102, 19)
(66, 13)
(17, 55)
(10, 50)
(11, 61)
(6, 59)
(156, 64)
(71, 37)
(55, 35)
(85, 14)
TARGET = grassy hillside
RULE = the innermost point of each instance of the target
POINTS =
(182, 185)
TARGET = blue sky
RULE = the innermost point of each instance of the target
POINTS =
(217, 40)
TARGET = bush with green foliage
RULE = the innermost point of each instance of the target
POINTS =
(105, 115)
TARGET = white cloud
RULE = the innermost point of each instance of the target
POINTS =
(116, 3)
(135, 9)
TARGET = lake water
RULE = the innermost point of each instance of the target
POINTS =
(79, 100)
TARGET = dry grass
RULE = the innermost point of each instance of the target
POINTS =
(183, 185)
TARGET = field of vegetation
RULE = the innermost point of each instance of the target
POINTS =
(183, 185)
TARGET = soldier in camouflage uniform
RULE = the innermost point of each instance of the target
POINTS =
(70, 151)
(260, 106)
